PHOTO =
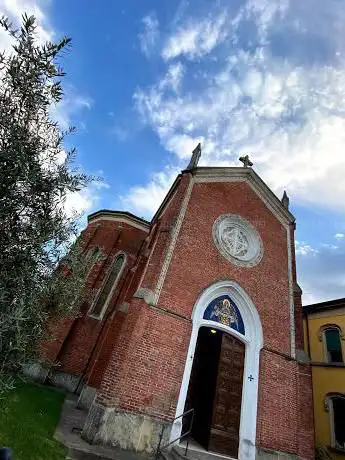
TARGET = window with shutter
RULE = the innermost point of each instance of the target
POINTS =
(333, 345)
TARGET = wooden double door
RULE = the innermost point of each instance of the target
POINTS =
(215, 391)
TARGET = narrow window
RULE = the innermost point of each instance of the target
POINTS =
(333, 346)
(108, 287)
(339, 422)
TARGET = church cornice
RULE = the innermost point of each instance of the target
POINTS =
(119, 216)
(167, 199)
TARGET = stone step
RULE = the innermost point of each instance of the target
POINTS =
(74, 454)
(78, 455)
(195, 452)
(178, 454)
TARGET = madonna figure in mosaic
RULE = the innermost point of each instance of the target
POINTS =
(225, 313)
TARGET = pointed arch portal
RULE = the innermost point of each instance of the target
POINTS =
(226, 322)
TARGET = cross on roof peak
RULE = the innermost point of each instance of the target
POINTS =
(246, 161)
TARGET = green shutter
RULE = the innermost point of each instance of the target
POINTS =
(333, 340)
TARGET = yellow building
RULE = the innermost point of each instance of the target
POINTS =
(324, 329)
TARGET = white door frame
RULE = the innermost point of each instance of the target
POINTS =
(253, 340)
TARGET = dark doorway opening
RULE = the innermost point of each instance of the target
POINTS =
(202, 383)
(339, 422)
(215, 391)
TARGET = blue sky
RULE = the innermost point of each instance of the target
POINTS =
(146, 81)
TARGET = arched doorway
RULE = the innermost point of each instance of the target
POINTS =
(225, 425)
(215, 391)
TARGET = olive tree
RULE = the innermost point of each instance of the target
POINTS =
(42, 267)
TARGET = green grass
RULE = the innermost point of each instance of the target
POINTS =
(29, 415)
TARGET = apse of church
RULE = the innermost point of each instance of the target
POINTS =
(203, 316)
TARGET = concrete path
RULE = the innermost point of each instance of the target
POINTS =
(68, 433)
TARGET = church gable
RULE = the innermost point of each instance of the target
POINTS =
(222, 175)
(202, 256)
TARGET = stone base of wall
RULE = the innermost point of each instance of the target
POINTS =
(42, 374)
(64, 380)
(36, 371)
(265, 454)
(86, 397)
(128, 431)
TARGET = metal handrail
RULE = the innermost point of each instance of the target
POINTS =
(187, 433)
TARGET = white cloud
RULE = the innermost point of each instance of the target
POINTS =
(150, 34)
(288, 118)
(120, 133)
(85, 200)
(14, 9)
(78, 202)
(173, 77)
(275, 89)
(264, 12)
(145, 200)
(305, 249)
(72, 104)
(183, 145)
(321, 271)
(196, 39)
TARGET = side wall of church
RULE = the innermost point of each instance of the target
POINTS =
(143, 376)
(163, 229)
(78, 343)
(140, 387)
(135, 332)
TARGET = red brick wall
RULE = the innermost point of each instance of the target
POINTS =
(150, 385)
(285, 409)
(165, 227)
(306, 448)
(144, 373)
(277, 425)
(56, 333)
(75, 342)
(298, 319)
(108, 341)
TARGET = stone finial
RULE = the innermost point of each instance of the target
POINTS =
(285, 200)
(195, 157)
(246, 161)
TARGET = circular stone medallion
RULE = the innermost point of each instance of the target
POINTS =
(237, 240)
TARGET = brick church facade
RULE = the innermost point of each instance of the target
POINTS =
(197, 309)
